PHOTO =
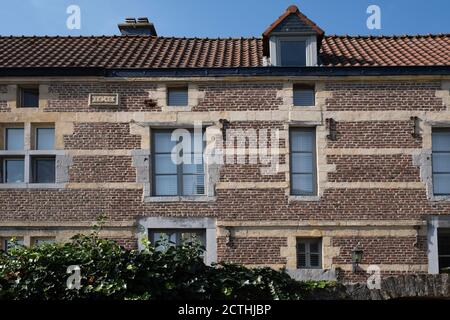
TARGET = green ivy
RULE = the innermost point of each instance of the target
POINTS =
(109, 271)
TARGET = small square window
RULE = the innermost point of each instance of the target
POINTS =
(309, 253)
(29, 97)
(14, 138)
(177, 97)
(304, 96)
(45, 138)
(43, 169)
(13, 170)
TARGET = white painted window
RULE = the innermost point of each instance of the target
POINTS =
(293, 51)
(171, 179)
(28, 158)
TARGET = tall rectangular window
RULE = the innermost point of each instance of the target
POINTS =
(14, 138)
(170, 178)
(45, 138)
(441, 161)
(177, 96)
(29, 97)
(304, 95)
(303, 161)
(13, 170)
(444, 248)
(292, 53)
(309, 253)
(43, 169)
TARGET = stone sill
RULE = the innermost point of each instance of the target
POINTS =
(312, 274)
(32, 185)
(440, 198)
(304, 198)
(181, 199)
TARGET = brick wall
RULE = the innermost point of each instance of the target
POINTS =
(419, 96)
(241, 96)
(102, 135)
(75, 97)
(375, 134)
(254, 205)
(251, 250)
(383, 250)
(376, 168)
(237, 205)
(90, 169)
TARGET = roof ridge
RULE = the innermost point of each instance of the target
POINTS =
(430, 35)
(126, 36)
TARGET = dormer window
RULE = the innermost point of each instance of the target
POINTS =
(292, 40)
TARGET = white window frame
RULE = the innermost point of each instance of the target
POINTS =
(311, 49)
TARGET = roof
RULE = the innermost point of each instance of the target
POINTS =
(293, 10)
(131, 52)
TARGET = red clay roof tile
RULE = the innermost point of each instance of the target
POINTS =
(161, 52)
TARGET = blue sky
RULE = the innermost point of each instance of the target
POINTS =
(214, 18)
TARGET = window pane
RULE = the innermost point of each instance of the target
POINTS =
(164, 164)
(441, 141)
(44, 170)
(441, 183)
(304, 97)
(193, 184)
(314, 247)
(193, 168)
(301, 247)
(302, 184)
(166, 185)
(441, 162)
(302, 163)
(9, 244)
(41, 241)
(301, 260)
(14, 139)
(193, 237)
(444, 242)
(45, 138)
(14, 170)
(302, 141)
(293, 53)
(162, 141)
(29, 97)
(177, 96)
(314, 260)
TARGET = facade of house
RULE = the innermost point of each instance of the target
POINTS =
(341, 145)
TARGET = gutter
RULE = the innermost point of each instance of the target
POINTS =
(224, 72)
